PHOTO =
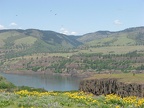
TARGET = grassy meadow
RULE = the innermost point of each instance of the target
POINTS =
(71, 99)
(114, 49)
(118, 40)
(26, 40)
(25, 97)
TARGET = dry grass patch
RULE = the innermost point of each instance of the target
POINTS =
(124, 77)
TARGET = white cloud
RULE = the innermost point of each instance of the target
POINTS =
(66, 32)
(73, 33)
(13, 24)
(117, 22)
(2, 27)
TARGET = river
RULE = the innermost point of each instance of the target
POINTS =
(48, 82)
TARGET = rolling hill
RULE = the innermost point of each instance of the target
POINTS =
(17, 42)
(21, 42)
(130, 36)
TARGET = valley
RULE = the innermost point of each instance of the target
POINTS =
(107, 66)
(34, 51)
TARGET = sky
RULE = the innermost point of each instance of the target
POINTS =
(71, 17)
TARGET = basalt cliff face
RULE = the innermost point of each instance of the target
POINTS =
(111, 86)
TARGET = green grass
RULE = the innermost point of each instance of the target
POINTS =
(34, 99)
(27, 40)
(123, 40)
(75, 99)
(113, 49)
(4, 36)
(113, 40)
(8, 37)
(100, 41)
(4, 84)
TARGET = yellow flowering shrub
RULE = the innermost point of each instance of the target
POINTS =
(126, 101)
(76, 99)
(83, 97)
(35, 93)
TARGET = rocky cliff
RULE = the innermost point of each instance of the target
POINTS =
(112, 85)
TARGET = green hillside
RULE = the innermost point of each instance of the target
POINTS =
(113, 41)
(26, 40)
(15, 43)
(127, 37)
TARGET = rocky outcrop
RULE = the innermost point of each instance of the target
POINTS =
(111, 85)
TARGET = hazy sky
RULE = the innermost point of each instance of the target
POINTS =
(71, 16)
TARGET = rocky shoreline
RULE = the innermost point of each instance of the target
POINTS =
(112, 86)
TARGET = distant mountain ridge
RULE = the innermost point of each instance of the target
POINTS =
(22, 42)
(129, 36)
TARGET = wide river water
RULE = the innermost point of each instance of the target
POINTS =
(48, 82)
